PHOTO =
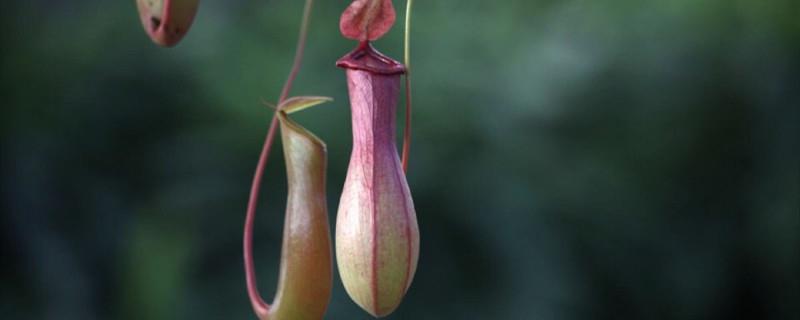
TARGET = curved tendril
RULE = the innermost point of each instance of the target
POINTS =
(260, 307)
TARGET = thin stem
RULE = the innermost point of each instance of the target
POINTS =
(298, 54)
(407, 36)
(260, 307)
(407, 62)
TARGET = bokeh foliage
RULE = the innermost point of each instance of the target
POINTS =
(574, 159)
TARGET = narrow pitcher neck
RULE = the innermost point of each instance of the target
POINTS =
(373, 80)
(373, 101)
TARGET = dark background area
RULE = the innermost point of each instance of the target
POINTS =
(611, 159)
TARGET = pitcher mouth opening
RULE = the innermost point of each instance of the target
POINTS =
(365, 57)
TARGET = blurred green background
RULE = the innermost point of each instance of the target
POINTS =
(611, 159)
